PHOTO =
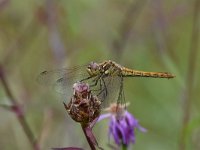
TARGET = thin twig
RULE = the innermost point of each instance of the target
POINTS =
(126, 26)
(160, 24)
(3, 4)
(55, 40)
(187, 99)
(16, 108)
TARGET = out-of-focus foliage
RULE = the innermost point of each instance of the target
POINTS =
(153, 35)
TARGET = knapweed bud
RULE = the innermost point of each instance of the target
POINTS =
(83, 106)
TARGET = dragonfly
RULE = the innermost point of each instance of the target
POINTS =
(106, 79)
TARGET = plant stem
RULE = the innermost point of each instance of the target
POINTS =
(130, 18)
(187, 99)
(16, 108)
(89, 136)
(124, 147)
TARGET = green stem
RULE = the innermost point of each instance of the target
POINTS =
(124, 147)
(188, 91)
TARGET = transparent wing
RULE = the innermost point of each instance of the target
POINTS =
(62, 79)
(107, 89)
(110, 91)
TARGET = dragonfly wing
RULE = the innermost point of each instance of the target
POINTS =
(107, 89)
(111, 90)
(62, 79)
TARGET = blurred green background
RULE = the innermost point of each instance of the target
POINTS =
(149, 35)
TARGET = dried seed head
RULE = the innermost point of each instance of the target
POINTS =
(83, 106)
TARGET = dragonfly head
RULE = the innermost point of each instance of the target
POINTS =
(93, 69)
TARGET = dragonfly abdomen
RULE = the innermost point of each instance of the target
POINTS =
(135, 73)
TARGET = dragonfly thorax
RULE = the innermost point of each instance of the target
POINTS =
(94, 69)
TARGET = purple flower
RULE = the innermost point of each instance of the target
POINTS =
(122, 125)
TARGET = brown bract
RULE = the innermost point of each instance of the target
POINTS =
(83, 106)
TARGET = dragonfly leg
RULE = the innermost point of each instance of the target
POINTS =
(100, 86)
(96, 80)
(123, 98)
(102, 89)
(121, 92)
(105, 88)
(86, 78)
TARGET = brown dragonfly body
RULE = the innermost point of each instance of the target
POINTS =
(111, 68)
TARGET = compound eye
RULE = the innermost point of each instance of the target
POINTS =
(89, 67)
(93, 66)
